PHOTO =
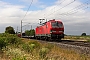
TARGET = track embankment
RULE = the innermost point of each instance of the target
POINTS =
(81, 47)
(78, 46)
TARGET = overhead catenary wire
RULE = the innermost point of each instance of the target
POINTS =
(27, 10)
(55, 6)
(83, 6)
(58, 9)
(75, 10)
(61, 16)
(86, 7)
(25, 16)
(73, 13)
(61, 7)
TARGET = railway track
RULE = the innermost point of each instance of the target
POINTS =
(78, 46)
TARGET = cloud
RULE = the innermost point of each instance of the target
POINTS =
(8, 11)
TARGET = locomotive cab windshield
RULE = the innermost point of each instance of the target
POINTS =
(56, 24)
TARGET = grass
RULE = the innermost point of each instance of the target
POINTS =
(77, 38)
(64, 54)
(52, 52)
(34, 50)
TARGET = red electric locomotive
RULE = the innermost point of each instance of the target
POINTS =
(53, 29)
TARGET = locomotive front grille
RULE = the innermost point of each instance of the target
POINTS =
(57, 36)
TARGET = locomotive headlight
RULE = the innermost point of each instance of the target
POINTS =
(52, 31)
(60, 31)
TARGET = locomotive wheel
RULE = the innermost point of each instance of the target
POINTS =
(37, 38)
(46, 38)
(49, 39)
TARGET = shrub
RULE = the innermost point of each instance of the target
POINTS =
(15, 53)
(19, 58)
(9, 30)
(32, 47)
(3, 43)
(35, 43)
(83, 34)
(13, 40)
(29, 47)
(49, 46)
(6, 39)
(43, 52)
(26, 47)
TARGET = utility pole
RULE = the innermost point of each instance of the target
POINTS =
(21, 28)
(31, 27)
(17, 30)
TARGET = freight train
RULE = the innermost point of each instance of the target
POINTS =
(52, 29)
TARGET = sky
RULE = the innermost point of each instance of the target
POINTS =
(73, 13)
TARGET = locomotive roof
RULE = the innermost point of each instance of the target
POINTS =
(48, 21)
(51, 20)
(54, 20)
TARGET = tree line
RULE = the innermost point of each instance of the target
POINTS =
(11, 30)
